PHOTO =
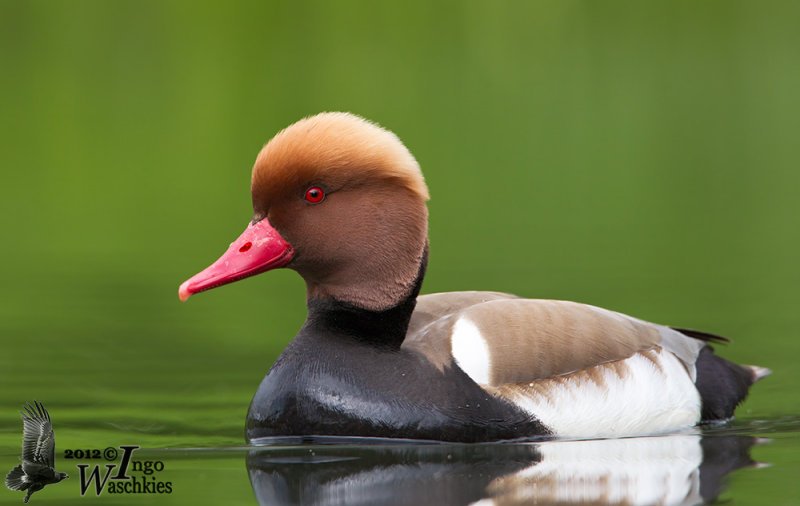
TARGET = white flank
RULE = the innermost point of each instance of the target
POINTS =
(471, 351)
(646, 399)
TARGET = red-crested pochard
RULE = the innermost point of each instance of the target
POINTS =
(341, 201)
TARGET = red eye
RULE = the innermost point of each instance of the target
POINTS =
(314, 195)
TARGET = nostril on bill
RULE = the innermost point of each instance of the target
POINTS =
(246, 246)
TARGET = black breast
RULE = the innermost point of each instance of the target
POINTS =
(331, 383)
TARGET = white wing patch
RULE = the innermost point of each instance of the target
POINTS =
(648, 393)
(471, 351)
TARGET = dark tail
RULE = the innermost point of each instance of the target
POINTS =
(14, 479)
(722, 384)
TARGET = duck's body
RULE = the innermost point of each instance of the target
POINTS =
(341, 201)
(342, 376)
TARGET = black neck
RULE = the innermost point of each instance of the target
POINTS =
(381, 328)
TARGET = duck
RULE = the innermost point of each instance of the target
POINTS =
(341, 201)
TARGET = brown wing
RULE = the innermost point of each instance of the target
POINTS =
(436, 306)
(530, 339)
(431, 322)
(533, 339)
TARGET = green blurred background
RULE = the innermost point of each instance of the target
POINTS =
(640, 156)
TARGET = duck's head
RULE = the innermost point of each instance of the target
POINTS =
(341, 201)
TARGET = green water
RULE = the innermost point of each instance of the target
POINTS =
(636, 156)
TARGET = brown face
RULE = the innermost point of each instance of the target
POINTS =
(362, 242)
(342, 202)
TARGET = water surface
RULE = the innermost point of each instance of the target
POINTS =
(750, 461)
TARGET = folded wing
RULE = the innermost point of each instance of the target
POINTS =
(498, 338)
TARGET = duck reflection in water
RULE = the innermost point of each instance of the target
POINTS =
(675, 469)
